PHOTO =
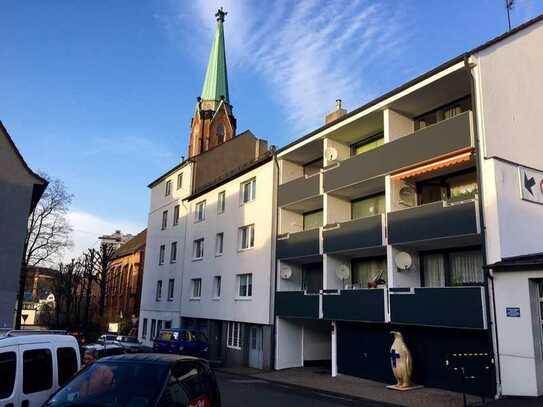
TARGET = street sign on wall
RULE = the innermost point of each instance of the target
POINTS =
(531, 185)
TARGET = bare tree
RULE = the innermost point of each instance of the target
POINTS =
(48, 232)
(104, 257)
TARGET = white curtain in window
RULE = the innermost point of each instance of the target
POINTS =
(466, 268)
(366, 271)
(434, 270)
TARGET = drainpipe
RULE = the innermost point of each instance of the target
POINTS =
(273, 260)
(490, 316)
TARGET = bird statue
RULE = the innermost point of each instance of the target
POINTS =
(401, 362)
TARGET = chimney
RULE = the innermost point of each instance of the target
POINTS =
(336, 114)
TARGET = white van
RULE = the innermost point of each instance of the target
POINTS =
(33, 365)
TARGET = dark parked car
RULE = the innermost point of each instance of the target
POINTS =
(110, 349)
(181, 342)
(142, 380)
(129, 343)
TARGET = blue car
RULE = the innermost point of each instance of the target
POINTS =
(181, 342)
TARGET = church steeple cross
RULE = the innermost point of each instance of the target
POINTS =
(220, 15)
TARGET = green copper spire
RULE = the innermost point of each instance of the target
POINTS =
(216, 81)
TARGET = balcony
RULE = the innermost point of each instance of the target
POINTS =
(442, 138)
(451, 307)
(298, 244)
(354, 234)
(298, 190)
(436, 220)
(366, 305)
(297, 304)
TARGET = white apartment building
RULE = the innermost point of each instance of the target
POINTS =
(165, 246)
(228, 276)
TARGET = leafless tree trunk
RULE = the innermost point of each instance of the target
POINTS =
(48, 233)
(105, 255)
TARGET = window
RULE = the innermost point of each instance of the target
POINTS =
(176, 215)
(313, 167)
(167, 324)
(312, 277)
(368, 144)
(217, 286)
(162, 254)
(248, 191)
(67, 364)
(173, 252)
(168, 188)
(174, 395)
(220, 133)
(196, 288)
(171, 283)
(198, 249)
(158, 326)
(144, 328)
(8, 369)
(158, 296)
(164, 220)
(180, 181)
(452, 269)
(453, 187)
(245, 284)
(221, 201)
(233, 335)
(373, 205)
(312, 220)
(153, 329)
(37, 370)
(219, 239)
(200, 213)
(246, 237)
(369, 272)
(443, 113)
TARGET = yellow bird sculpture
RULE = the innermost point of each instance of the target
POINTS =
(401, 362)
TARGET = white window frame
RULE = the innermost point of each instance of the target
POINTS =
(176, 211)
(196, 289)
(168, 189)
(221, 202)
(252, 191)
(158, 293)
(249, 286)
(171, 289)
(179, 181)
(200, 211)
(164, 220)
(162, 254)
(194, 249)
(173, 252)
(219, 237)
(217, 287)
(233, 335)
(250, 238)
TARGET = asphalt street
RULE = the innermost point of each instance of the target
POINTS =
(246, 391)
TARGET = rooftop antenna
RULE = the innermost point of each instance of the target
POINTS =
(509, 7)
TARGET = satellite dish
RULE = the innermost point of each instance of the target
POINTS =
(343, 272)
(403, 261)
(286, 272)
(330, 154)
(408, 196)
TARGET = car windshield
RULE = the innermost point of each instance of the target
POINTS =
(113, 383)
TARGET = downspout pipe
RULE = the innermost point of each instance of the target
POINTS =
(490, 316)
(275, 229)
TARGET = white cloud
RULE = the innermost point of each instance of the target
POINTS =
(87, 227)
(308, 53)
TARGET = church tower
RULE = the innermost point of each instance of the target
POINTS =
(213, 122)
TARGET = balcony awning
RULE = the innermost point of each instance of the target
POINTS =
(434, 165)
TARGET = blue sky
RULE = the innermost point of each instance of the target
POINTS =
(101, 93)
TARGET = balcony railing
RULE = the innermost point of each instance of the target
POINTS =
(433, 221)
(297, 304)
(367, 305)
(442, 138)
(451, 307)
(298, 190)
(298, 244)
(354, 234)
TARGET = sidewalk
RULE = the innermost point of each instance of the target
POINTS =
(319, 379)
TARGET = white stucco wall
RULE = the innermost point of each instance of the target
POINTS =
(257, 261)
(150, 308)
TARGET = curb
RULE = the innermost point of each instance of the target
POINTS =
(332, 394)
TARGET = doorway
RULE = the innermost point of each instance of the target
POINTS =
(255, 347)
